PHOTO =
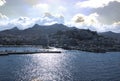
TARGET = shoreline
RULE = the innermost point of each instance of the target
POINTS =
(20, 53)
(86, 49)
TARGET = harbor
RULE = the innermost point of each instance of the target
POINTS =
(27, 51)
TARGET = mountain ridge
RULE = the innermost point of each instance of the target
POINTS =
(110, 34)
(59, 35)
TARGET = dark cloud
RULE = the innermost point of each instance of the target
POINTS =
(79, 20)
(109, 14)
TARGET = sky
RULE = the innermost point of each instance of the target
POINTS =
(96, 15)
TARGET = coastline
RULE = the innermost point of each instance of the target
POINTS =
(47, 49)
(92, 49)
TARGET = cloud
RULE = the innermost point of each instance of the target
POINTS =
(3, 17)
(89, 20)
(113, 28)
(2, 2)
(116, 23)
(47, 14)
(39, 9)
(48, 19)
(79, 18)
(32, 2)
(116, 26)
(108, 10)
(26, 22)
(94, 3)
(21, 23)
(109, 14)
(92, 22)
(42, 7)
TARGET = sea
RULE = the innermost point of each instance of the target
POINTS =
(69, 65)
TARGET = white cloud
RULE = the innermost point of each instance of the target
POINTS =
(22, 22)
(94, 3)
(89, 20)
(50, 23)
(25, 22)
(2, 2)
(48, 19)
(116, 23)
(86, 22)
(42, 7)
(3, 17)
(113, 28)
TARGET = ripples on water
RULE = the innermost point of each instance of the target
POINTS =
(67, 66)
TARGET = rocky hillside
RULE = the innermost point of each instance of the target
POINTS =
(59, 35)
(111, 35)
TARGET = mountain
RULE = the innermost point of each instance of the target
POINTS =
(59, 35)
(34, 35)
(41, 34)
(111, 34)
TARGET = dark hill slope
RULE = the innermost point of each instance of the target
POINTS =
(59, 35)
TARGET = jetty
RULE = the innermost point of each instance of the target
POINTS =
(26, 52)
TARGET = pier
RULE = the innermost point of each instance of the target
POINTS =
(28, 52)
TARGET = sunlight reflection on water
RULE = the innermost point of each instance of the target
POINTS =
(66, 66)
(52, 66)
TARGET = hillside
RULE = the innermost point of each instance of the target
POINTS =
(111, 35)
(59, 35)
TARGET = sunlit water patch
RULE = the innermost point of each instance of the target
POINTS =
(66, 66)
